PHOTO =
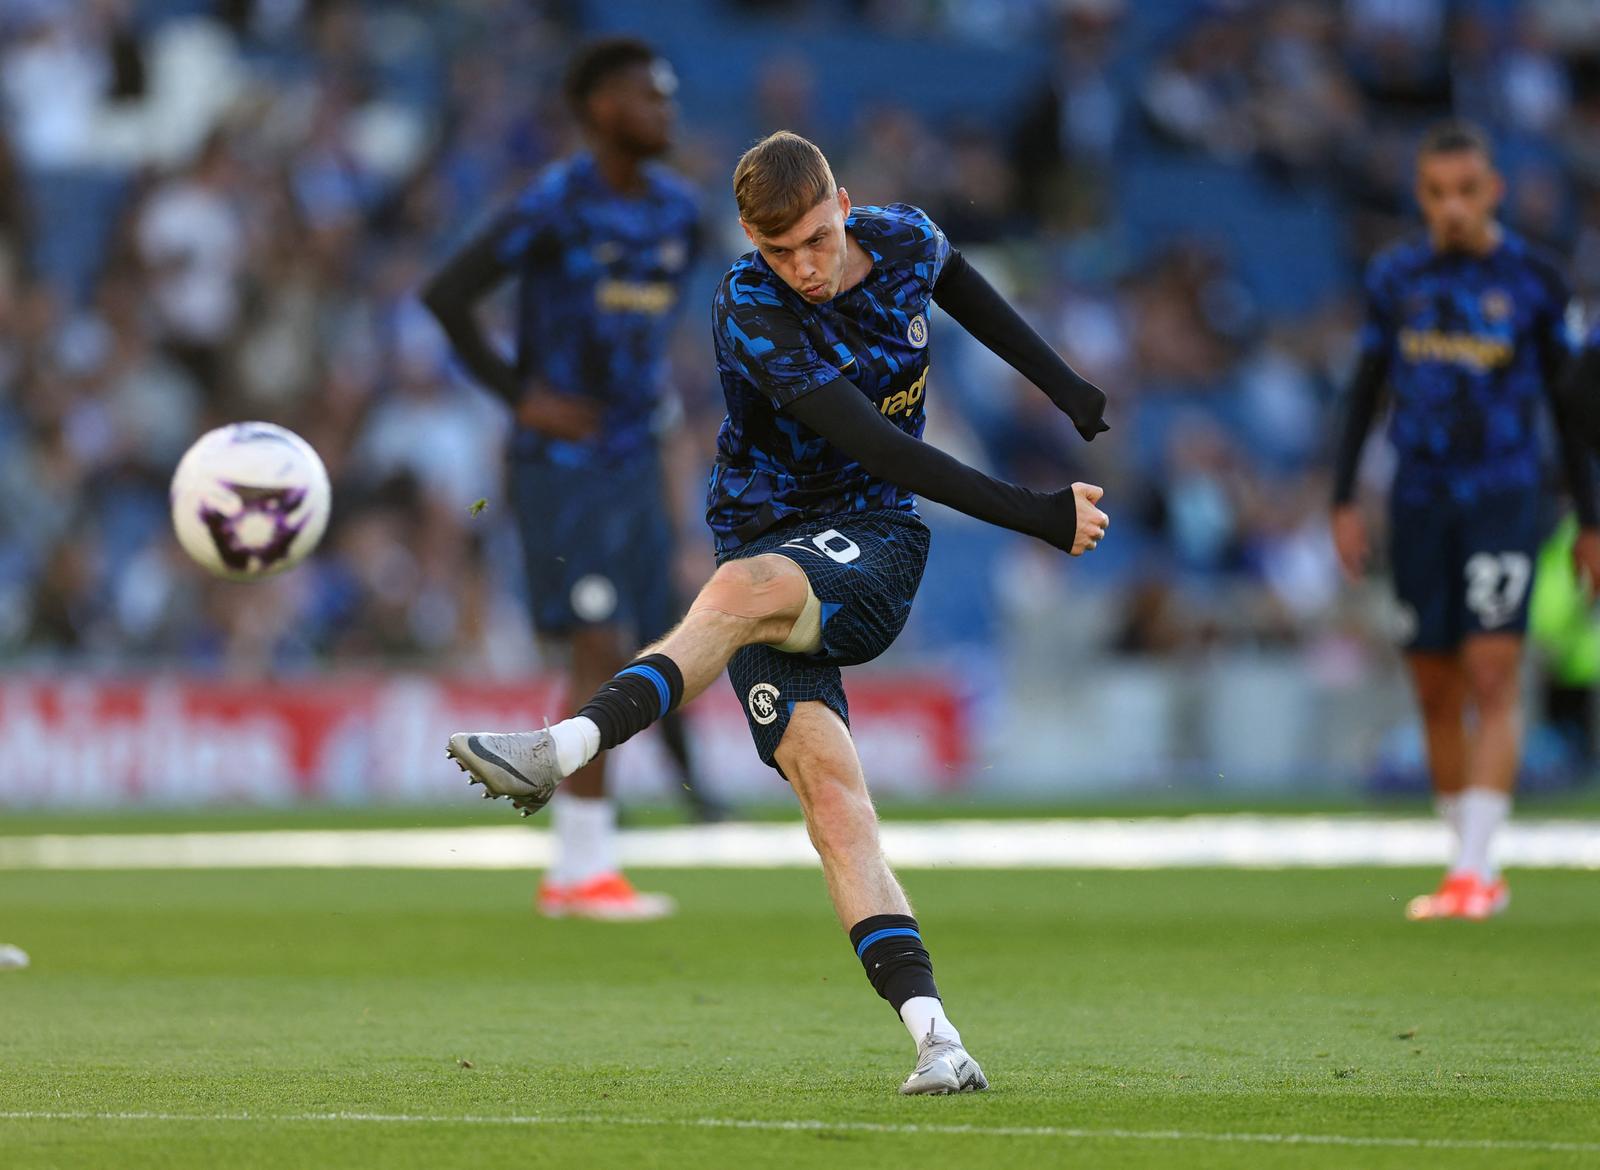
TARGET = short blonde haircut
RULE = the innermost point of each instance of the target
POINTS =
(778, 180)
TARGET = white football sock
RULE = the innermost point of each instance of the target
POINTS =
(1482, 813)
(1448, 806)
(586, 838)
(923, 1012)
(577, 742)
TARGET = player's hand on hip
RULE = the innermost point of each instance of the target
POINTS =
(568, 417)
(1092, 522)
(1350, 540)
(1586, 559)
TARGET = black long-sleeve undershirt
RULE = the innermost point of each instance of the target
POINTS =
(1576, 463)
(974, 304)
(1578, 397)
(847, 419)
(1361, 407)
(452, 296)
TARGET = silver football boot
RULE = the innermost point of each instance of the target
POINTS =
(943, 1066)
(521, 765)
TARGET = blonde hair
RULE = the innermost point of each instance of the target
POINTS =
(778, 180)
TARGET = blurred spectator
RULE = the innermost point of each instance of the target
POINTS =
(785, 97)
(192, 243)
(1397, 52)
(55, 70)
(1199, 95)
(1188, 313)
(1069, 127)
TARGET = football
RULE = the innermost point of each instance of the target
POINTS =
(249, 500)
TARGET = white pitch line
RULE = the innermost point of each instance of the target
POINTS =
(1242, 841)
(810, 1126)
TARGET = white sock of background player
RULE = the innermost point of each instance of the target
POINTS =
(586, 838)
(1482, 813)
(1448, 806)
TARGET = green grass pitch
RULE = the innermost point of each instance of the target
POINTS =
(1195, 1019)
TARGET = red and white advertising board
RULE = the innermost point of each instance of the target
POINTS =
(183, 741)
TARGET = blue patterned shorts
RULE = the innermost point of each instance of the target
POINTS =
(864, 569)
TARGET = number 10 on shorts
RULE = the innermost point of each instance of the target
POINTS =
(832, 543)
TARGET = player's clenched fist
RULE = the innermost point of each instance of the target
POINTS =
(1092, 522)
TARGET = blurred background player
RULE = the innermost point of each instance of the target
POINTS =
(599, 246)
(1467, 328)
(822, 342)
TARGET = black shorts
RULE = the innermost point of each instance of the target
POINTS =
(596, 546)
(864, 569)
(1463, 568)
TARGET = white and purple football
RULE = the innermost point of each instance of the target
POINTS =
(249, 500)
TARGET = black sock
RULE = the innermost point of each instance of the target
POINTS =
(890, 948)
(634, 698)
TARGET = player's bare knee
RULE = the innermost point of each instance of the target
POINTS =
(839, 817)
(1494, 686)
(1492, 666)
(833, 799)
(838, 812)
(1441, 703)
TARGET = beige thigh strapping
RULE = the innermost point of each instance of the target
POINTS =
(806, 635)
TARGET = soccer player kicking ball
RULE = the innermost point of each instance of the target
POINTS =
(600, 246)
(1467, 328)
(822, 349)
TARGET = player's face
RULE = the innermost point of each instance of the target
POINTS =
(635, 109)
(1459, 193)
(811, 255)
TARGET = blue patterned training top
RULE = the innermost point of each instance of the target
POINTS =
(600, 275)
(774, 347)
(1473, 346)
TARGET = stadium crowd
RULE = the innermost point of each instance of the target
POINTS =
(220, 210)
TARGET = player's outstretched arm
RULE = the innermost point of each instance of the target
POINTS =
(452, 295)
(979, 309)
(846, 418)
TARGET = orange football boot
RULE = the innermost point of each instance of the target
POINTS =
(610, 897)
(1486, 900)
(1447, 901)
